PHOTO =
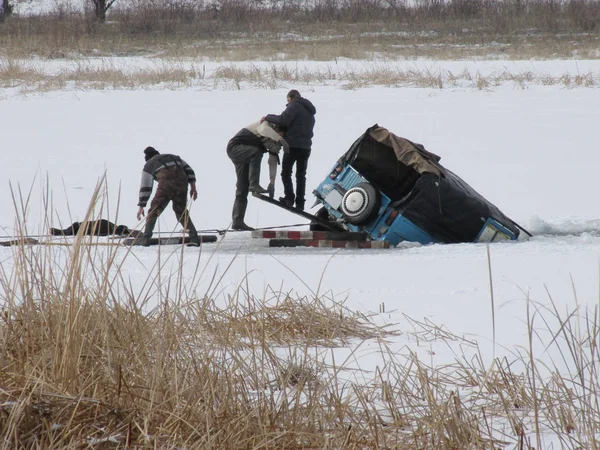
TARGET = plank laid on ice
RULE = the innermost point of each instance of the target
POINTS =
(312, 235)
(327, 243)
(324, 223)
(204, 238)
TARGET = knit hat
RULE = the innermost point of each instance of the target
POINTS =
(150, 152)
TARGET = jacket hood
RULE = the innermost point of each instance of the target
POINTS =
(308, 105)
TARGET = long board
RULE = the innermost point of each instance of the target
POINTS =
(324, 223)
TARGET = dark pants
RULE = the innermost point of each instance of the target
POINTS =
(172, 187)
(246, 159)
(298, 156)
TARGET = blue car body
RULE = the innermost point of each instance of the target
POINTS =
(370, 190)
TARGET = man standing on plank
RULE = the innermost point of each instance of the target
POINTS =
(298, 120)
(173, 175)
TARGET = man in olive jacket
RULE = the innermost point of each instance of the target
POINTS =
(298, 120)
(173, 175)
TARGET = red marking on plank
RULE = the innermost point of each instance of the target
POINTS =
(309, 235)
(325, 243)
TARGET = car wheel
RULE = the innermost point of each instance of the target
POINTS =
(360, 203)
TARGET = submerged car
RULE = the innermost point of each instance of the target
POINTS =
(393, 189)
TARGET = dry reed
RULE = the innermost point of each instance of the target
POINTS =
(89, 361)
(166, 74)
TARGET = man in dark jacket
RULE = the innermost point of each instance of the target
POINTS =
(298, 120)
(173, 175)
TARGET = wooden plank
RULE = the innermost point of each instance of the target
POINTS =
(331, 226)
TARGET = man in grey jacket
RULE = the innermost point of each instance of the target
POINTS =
(246, 150)
(298, 119)
(173, 175)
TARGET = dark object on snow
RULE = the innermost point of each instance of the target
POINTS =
(101, 227)
(391, 188)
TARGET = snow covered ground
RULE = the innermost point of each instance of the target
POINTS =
(532, 151)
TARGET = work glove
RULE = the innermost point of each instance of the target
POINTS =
(285, 145)
(271, 190)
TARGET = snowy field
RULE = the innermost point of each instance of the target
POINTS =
(531, 151)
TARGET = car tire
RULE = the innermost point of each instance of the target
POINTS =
(360, 203)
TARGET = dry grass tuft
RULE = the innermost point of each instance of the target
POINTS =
(287, 320)
(169, 74)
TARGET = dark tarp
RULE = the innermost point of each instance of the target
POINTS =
(426, 193)
(391, 163)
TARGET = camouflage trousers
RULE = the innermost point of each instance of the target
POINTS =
(172, 187)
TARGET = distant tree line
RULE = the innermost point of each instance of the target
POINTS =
(550, 15)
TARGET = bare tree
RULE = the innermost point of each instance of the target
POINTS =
(100, 8)
(5, 9)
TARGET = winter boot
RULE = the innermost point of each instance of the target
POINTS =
(258, 189)
(254, 174)
(287, 201)
(194, 239)
(241, 227)
(239, 212)
(150, 224)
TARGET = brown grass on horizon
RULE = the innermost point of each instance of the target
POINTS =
(244, 30)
